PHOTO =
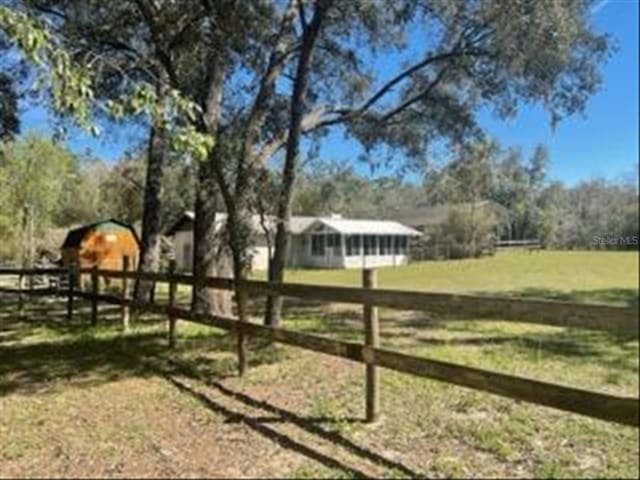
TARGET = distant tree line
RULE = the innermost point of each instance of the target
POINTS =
(46, 186)
(559, 215)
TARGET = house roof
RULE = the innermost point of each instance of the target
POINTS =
(74, 237)
(300, 224)
(185, 222)
(297, 224)
(364, 227)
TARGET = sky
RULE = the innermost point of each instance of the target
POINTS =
(603, 143)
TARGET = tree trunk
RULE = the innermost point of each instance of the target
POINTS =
(151, 234)
(32, 240)
(26, 236)
(210, 254)
(204, 242)
(278, 263)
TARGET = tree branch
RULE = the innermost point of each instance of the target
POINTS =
(164, 57)
(417, 97)
(329, 116)
(302, 15)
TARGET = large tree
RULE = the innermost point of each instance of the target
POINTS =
(268, 73)
(452, 59)
(111, 59)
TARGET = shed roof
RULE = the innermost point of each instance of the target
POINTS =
(364, 227)
(74, 237)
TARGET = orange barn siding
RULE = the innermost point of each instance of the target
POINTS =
(104, 250)
(103, 245)
(107, 249)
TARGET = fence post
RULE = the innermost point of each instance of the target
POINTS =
(372, 340)
(72, 280)
(20, 295)
(241, 302)
(125, 294)
(95, 289)
(57, 283)
(172, 301)
(152, 292)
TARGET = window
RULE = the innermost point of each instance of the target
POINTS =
(401, 245)
(396, 244)
(317, 245)
(353, 245)
(370, 245)
(333, 240)
(386, 246)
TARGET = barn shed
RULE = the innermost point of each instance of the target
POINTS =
(102, 244)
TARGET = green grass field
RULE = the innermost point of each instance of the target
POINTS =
(606, 277)
(77, 401)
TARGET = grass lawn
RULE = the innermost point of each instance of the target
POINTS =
(607, 277)
(77, 401)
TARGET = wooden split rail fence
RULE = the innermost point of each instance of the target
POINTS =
(618, 320)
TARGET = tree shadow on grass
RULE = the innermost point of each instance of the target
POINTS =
(42, 347)
(600, 348)
(277, 415)
(83, 360)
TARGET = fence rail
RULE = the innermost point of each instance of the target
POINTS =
(620, 320)
(622, 410)
(533, 242)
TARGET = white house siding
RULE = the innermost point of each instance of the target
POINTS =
(370, 261)
(299, 254)
(331, 259)
(260, 258)
(183, 243)
(297, 251)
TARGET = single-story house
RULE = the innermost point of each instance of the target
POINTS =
(316, 242)
(103, 244)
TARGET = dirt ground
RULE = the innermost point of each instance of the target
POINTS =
(78, 402)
